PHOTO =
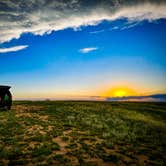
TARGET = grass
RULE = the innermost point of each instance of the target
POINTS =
(83, 133)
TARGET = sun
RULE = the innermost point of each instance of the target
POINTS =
(120, 92)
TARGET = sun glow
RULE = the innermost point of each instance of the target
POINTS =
(120, 92)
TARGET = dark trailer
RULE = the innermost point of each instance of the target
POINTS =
(5, 97)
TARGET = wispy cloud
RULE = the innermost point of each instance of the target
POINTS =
(88, 49)
(114, 28)
(13, 49)
(96, 32)
(126, 25)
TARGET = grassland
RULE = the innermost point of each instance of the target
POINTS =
(83, 133)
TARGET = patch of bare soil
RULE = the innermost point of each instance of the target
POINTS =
(36, 129)
(43, 117)
(95, 141)
(20, 108)
(27, 111)
(66, 132)
(50, 128)
(62, 145)
(33, 144)
(22, 114)
(24, 108)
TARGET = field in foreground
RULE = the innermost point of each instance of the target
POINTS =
(83, 133)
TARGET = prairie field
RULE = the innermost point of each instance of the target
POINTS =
(83, 133)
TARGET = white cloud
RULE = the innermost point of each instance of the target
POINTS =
(124, 26)
(96, 32)
(114, 28)
(88, 49)
(128, 26)
(53, 15)
(13, 49)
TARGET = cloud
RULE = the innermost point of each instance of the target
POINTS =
(151, 98)
(130, 26)
(13, 49)
(96, 32)
(87, 50)
(44, 16)
(124, 26)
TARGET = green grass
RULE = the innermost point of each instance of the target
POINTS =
(83, 133)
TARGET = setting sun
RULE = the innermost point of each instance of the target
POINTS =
(120, 92)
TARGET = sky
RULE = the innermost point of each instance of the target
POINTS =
(77, 49)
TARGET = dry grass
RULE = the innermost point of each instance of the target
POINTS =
(83, 133)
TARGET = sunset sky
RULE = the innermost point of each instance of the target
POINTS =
(81, 48)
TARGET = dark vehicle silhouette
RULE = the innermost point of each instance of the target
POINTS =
(5, 97)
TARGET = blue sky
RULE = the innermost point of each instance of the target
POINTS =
(87, 60)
